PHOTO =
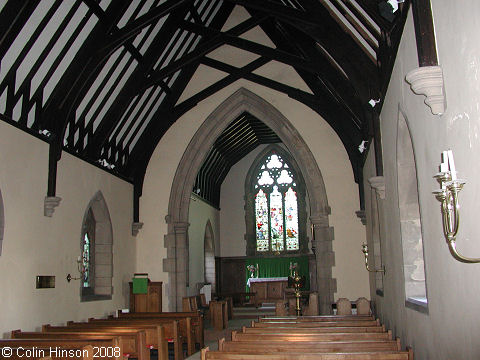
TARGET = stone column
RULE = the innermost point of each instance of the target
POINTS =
(176, 263)
(325, 260)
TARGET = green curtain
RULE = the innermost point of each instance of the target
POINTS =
(279, 267)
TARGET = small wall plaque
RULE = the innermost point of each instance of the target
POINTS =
(45, 281)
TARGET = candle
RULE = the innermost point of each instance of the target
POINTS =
(451, 164)
(443, 167)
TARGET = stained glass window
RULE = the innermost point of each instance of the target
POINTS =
(86, 260)
(276, 206)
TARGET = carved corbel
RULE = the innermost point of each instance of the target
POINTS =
(136, 226)
(49, 205)
(428, 81)
(378, 183)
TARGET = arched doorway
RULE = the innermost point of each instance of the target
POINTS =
(176, 263)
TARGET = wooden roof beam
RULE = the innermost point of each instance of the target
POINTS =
(202, 49)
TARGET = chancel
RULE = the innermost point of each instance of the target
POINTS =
(224, 147)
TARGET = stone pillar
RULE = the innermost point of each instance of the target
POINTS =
(182, 268)
(325, 260)
(176, 263)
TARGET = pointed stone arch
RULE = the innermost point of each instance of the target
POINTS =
(410, 217)
(243, 100)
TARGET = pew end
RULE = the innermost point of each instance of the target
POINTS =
(410, 352)
(203, 353)
(221, 344)
(399, 344)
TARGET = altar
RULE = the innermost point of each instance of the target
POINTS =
(267, 289)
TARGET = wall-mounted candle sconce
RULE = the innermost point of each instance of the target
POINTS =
(450, 186)
(81, 270)
(365, 252)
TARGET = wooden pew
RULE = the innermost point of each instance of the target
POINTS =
(318, 330)
(313, 324)
(197, 320)
(61, 349)
(236, 336)
(156, 336)
(184, 326)
(130, 343)
(227, 355)
(306, 346)
(315, 318)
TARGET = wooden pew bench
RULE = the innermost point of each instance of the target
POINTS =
(317, 330)
(315, 318)
(131, 344)
(62, 349)
(312, 324)
(236, 336)
(228, 355)
(184, 328)
(197, 320)
(309, 346)
(156, 336)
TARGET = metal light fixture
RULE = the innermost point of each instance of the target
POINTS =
(365, 253)
(450, 186)
(81, 270)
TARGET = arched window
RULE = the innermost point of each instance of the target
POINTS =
(275, 193)
(209, 258)
(410, 220)
(88, 256)
(96, 251)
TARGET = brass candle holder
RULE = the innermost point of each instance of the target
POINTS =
(367, 266)
(448, 197)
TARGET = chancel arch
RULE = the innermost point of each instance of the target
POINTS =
(176, 240)
(96, 251)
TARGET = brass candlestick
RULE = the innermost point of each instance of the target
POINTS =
(297, 283)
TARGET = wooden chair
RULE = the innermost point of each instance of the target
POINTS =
(363, 306)
(344, 307)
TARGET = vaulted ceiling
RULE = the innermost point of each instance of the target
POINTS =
(103, 79)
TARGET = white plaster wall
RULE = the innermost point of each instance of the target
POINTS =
(451, 327)
(37, 245)
(199, 214)
(232, 216)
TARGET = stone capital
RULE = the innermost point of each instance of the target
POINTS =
(319, 220)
